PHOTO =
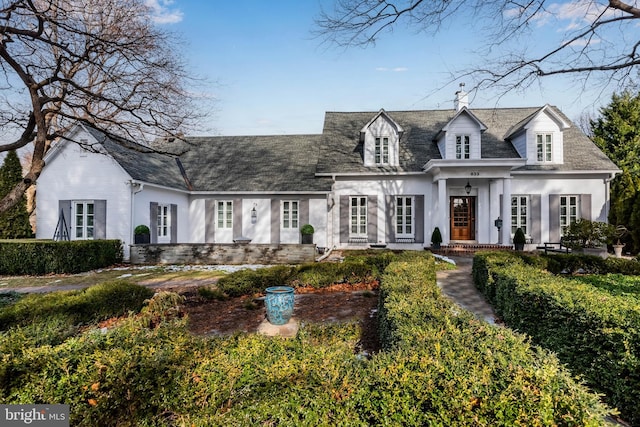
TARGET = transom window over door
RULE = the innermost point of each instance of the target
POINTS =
(382, 151)
(84, 220)
(358, 217)
(519, 214)
(463, 147)
(404, 216)
(225, 214)
(290, 214)
(544, 146)
(569, 212)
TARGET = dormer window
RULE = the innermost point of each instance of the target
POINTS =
(463, 147)
(544, 147)
(382, 151)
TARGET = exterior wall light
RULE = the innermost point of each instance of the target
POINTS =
(467, 188)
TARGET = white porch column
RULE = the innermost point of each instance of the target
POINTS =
(506, 211)
(443, 206)
(495, 209)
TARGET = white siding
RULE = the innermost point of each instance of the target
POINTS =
(74, 174)
(378, 129)
(142, 209)
(463, 125)
(544, 124)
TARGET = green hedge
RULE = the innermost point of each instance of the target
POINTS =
(37, 257)
(594, 331)
(452, 369)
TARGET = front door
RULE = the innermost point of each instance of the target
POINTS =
(463, 218)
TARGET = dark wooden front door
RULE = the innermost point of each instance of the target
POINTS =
(463, 218)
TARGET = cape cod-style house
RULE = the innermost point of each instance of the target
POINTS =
(370, 178)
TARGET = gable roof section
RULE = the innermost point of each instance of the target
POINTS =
(342, 150)
(522, 124)
(463, 110)
(142, 163)
(388, 118)
(277, 163)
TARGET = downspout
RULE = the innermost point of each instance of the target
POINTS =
(134, 191)
(607, 196)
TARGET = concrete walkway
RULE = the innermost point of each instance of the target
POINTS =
(458, 286)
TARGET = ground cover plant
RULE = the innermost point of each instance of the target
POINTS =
(591, 322)
(439, 366)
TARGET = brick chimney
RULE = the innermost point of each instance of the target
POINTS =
(462, 99)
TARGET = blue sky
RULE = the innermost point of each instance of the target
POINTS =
(270, 76)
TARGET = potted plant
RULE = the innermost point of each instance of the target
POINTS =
(436, 238)
(307, 234)
(141, 234)
(519, 239)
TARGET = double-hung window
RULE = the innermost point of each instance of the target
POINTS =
(84, 216)
(543, 146)
(290, 214)
(569, 212)
(404, 216)
(225, 214)
(163, 221)
(382, 151)
(519, 214)
(463, 147)
(358, 216)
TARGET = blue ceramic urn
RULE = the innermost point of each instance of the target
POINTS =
(279, 303)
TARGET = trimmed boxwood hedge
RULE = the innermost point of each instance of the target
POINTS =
(454, 369)
(37, 257)
(595, 332)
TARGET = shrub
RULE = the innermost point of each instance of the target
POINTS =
(436, 237)
(141, 229)
(594, 330)
(38, 257)
(85, 306)
(307, 229)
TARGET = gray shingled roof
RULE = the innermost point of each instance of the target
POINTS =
(342, 149)
(254, 163)
(288, 163)
(142, 163)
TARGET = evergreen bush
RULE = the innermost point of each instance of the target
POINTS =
(14, 223)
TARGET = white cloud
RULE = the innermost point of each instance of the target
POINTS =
(163, 13)
(395, 69)
(584, 42)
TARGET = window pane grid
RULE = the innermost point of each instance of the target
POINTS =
(225, 214)
(358, 216)
(404, 216)
(519, 213)
(84, 220)
(290, 214)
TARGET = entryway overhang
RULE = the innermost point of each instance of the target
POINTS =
(478, 168)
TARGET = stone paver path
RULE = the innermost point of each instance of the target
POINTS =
(458, 285)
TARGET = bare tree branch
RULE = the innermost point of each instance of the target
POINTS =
(98, 62)
(596, 42)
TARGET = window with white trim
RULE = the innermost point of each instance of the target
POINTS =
(463, 147)
(382, 151)
(358, 216)
(569, 211)
(84, 216)
(289, 214)
(225, 214)
(520, 214)
(544, 145)
(404, 216)
(163, 221)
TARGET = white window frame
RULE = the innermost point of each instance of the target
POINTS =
(463, 147)
(381, 150)
(520, 220)
(544, 147)
(569, 212)
(290, 214)
(358, 216)
(405, 216)
(224, 214)
(83, 220)
(163, 221)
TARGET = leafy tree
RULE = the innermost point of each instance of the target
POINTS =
(617, 133)
(14, 222)
(103, 63)
(594, 39)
